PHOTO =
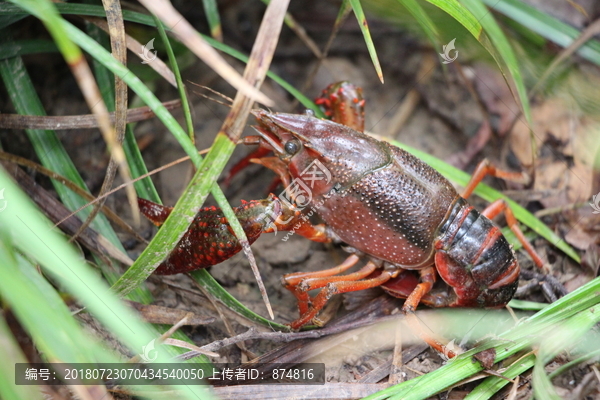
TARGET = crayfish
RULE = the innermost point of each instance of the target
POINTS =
(381, 201)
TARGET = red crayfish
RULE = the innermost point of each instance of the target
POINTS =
(381, 201)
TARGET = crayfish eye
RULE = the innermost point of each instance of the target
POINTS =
(292, 147)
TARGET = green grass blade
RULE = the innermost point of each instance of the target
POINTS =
(214, 20)
(493, 384)
(461, 15)
(364, 27)
(131, 16)
(203, 278)
(29, 231)
(546, 26)
(11, 354)
(419, 14)
(144, 187)
(489, 194)
(503, 48)
(185, 105)
(23, 47)
(522, 336)
(527, 305)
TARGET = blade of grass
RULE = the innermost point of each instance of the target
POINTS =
(52, 20)
(493, 384)
(546, 26)
(187, 113)
(105, 81)
(29, 231)
(364, 28)
(23, 47)
(131, 16)
(11, 354)
(177, 24)
(522, 336)
(419, 14)
(214, 20)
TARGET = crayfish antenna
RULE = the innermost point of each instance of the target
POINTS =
(229, 99)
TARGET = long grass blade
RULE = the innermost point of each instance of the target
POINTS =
(213, 18)
(28, 230)
(12, 354)
(419, 14)
(546, 26)
(364, 27)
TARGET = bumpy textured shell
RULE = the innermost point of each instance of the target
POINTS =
(393, 212)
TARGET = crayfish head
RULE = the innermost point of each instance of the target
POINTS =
(306, 143)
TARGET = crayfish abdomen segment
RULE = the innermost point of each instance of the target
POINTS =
(475, 259)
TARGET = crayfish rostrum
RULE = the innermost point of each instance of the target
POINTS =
(381, 201)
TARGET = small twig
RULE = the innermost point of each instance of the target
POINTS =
(225, 320)
(185, 345)
(87, 121)
(131, 182)
(253, 334)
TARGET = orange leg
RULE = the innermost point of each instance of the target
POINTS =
(428, 278)
(332, 288)
(291, 281)
(499, 206)
(485, 168)
(294, 279)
